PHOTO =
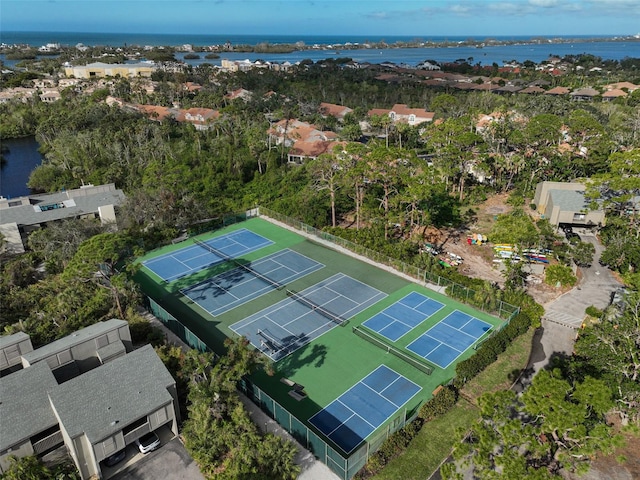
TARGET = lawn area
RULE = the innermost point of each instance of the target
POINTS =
(432, 445)
(503, 372)
(436, 438)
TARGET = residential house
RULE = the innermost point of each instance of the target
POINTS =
(302, 151)
(50, 96)
(156, 112)
(533, 90)
(400, 113)
(507, 89)
(20, 216)
(290, 130)
(93, 414)
(611, 95)
(333, 110)
(69, 82)
(306, 140)
(565, 203)
(191, 87)
(558, 91)
(240, 93)
(201, 118)
(628, 86)
(584, 94)
(20, 94)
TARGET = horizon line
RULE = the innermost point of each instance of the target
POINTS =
(404, 35)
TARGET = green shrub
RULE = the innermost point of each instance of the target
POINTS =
(391, 448)
(518, 325)
(142, 332)
(444, 400)
(561, 274)
(488, 352)
(593, 311)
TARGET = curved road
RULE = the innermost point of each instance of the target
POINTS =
(564, 315)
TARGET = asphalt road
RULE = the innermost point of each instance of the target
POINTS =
(564, 315)
(169, 462)
(595, 288)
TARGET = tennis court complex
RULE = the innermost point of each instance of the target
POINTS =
(355, 349)
(447, 340)
(292, 323)
(193, 258)
(232, 288)
(355, 414)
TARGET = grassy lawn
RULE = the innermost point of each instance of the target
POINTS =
(436, 439)
(503, 372)
(431, 445)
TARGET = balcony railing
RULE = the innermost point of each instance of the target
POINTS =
(47, 443)
(136, 433)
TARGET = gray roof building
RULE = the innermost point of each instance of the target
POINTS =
(19, 216)
(25, 409)
(101, 402)
(92, 332)
(12, 347)
(565, 202)
(91, 413)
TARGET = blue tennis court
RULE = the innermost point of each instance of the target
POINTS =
(358, 412)
(194, 258)
(403, 316)
(448, 339)
(292, 323)
(230, 289)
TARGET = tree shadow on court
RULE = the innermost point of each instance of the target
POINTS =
(308, 355)
(215, 286)
(230, 271)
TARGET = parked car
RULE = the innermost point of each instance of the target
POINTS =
(116, 458)
(148, 443)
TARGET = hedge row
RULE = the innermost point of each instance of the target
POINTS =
(397, 443)
(488, 352)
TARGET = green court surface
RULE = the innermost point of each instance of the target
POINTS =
(330, 364)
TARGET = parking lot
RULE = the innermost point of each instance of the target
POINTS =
(171, 462)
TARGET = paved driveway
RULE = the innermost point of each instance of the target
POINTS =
(595, 288)
(564, 315)
(169, 462)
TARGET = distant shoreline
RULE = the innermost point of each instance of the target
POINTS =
(291, 42)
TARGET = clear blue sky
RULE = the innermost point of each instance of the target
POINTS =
(420, 18)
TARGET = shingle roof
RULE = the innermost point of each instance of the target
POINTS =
(6, 340)
(104, 400)
(558, 91)
(24, 405)
(615, 93)
(75, 338)
(585, 92)
(338, 111)
(533, 89)
(569, 200)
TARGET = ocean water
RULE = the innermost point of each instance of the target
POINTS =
(37, 39)
(606, 48)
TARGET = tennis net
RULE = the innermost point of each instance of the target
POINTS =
(270, 342)
(414, 362)
(227, 258)
(316, 308)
